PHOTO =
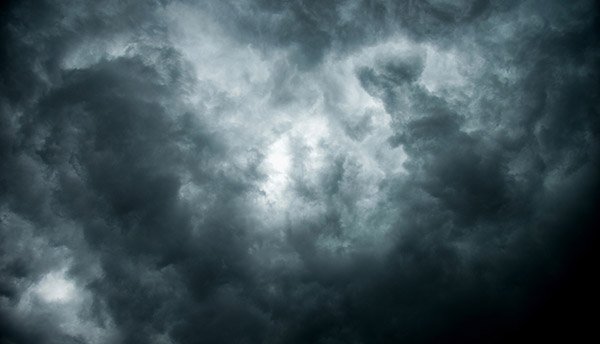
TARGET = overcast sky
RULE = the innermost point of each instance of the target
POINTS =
(302, 171)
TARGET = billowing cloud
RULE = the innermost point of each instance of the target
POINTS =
(297, 172)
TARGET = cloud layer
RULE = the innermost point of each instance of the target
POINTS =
(297, 172)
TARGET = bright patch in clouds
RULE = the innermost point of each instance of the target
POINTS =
(55, 287)
(277, 165)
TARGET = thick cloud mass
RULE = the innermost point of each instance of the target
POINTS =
(298, 171)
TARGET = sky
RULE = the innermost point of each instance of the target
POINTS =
(300, 171)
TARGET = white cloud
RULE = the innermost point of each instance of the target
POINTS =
(55, 287)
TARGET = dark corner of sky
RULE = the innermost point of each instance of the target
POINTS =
(304, 171)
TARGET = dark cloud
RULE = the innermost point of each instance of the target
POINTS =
(301, 171)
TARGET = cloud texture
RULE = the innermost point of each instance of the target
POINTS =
(298, 171)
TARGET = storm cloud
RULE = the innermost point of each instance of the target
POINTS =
(257, 171)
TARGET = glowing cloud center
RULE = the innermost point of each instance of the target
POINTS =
(277, 163)
(54, 287)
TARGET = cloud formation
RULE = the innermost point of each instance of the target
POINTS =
(297, 172)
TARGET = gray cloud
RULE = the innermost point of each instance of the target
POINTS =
(293, 172)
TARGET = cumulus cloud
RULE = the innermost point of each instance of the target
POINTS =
(297, 172)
